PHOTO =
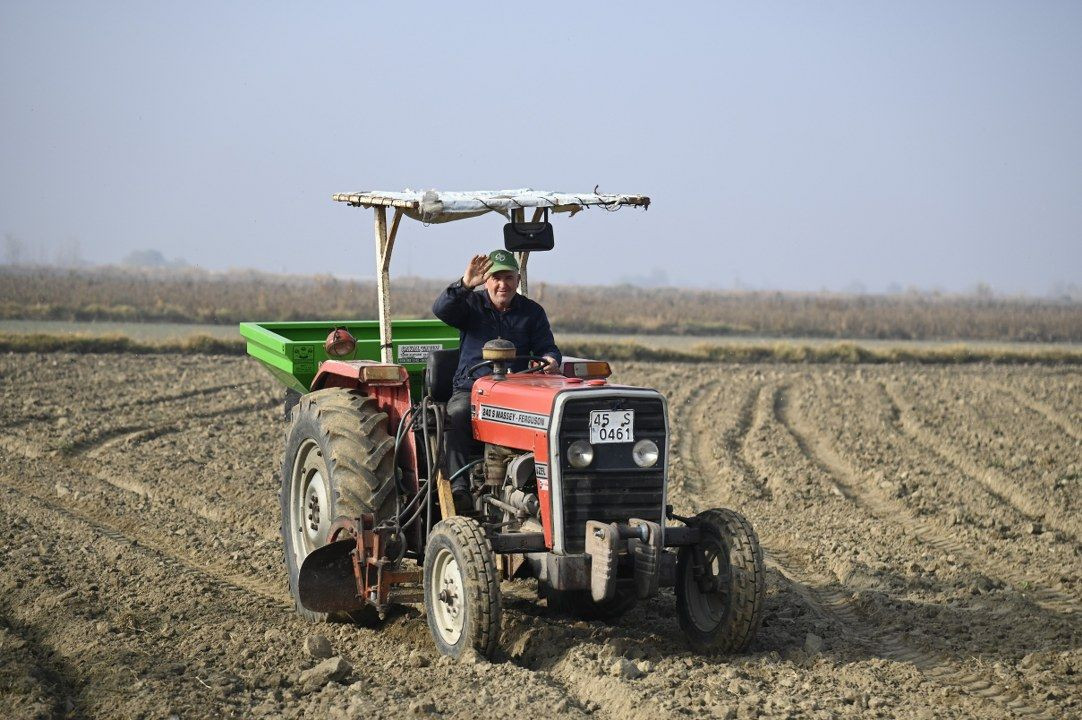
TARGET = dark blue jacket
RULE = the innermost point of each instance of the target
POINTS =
(524, 323)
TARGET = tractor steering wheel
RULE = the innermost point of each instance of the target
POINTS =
(489, 363)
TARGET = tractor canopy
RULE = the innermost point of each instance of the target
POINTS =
(432, 206)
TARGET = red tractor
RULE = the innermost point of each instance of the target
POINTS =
(570, 489)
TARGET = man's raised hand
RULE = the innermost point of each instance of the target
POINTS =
(476, 269)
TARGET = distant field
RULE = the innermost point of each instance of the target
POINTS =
(140, 331)
(158, 332)
(151, 338)
(224, 299)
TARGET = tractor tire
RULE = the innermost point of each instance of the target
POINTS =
(580, 604)
(339, 462)
(721, 610)
(462, 588)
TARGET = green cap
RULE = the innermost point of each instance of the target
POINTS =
(502, 260)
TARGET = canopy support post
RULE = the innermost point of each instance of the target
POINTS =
(518, 215)
(523, 285)
(384, 247)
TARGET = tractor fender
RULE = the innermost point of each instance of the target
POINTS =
(389, 385)
(359, 374)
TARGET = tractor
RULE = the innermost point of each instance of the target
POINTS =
(570, 489)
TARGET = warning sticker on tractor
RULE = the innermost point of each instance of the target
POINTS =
(417, 353)
(542, 472)
(507, 416)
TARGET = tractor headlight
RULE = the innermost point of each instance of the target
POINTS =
(580, 454)
(645, 453)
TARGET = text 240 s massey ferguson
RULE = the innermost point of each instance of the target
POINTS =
(570, 488)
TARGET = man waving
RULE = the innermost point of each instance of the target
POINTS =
(497, 312)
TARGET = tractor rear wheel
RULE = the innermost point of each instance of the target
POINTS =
(338, 463)
(720, 583)
(462, 588)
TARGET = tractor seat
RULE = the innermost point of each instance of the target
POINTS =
(440, 374)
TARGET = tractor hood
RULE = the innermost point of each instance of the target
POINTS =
(515, 410)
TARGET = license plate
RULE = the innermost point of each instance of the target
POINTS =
(612, 426)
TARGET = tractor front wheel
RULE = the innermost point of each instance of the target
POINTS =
(720, 583)
(338, 463)
(461, 588)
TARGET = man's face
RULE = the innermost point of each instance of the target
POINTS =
(502, 287)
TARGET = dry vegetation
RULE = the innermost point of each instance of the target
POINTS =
(750, 352)
(194, 296)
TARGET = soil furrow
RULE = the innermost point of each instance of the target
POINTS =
(849, 485)
(244, 588)
(820, 591)
(825, 592)
(831, 605)
(1054, 417)
(685, 484)
(993, 481)
(144, 633)
(157, 400)
(130, 434)
(695, 471)
(194, 505)
(735, 438)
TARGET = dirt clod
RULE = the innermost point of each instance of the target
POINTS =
(626, 669)
(417, 659)
(318, 646)
(422, 707)
(330, 670)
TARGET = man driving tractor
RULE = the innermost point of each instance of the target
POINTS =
(499, 312)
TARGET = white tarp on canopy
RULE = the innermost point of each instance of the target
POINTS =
(434, 206)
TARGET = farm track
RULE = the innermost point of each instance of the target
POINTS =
(141, 574)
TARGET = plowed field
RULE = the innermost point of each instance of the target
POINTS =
(922, 531)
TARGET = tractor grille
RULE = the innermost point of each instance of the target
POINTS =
(613, 488)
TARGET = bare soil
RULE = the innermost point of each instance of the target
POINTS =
(921, 525)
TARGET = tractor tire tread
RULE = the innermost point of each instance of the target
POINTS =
(481, 578)
(748, 586)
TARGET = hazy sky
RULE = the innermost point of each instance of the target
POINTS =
(785, 145)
